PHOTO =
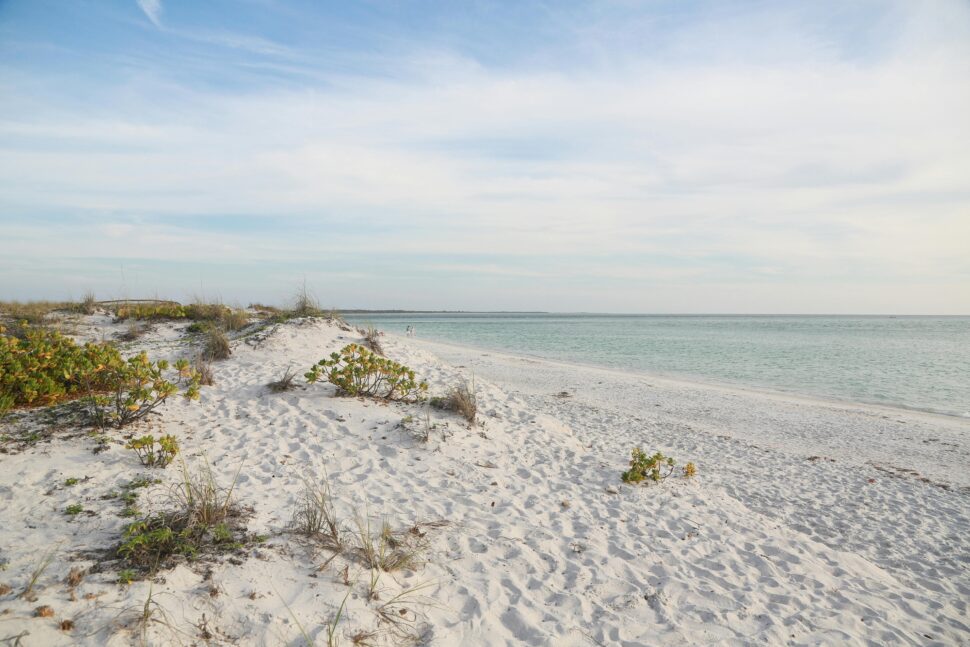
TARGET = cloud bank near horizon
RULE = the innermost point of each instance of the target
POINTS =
(653, 157)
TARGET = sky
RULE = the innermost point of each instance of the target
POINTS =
(679, 156)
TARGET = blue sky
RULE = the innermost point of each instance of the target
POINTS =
(614, 156)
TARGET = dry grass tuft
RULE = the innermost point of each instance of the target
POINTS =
(316, 517)
(134, 331)
(385, 549)
(363, 638)
(461, 399)
(305, 304)
(372, 338)
(285, 383)
(75, 576)
(235, 320)
(201, 501)
(88, 305)
(217, 345)
(203, 367)
(33, 312)
(45, 561)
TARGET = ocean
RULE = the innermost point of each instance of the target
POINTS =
(915, 362)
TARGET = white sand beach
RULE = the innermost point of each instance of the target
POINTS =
(808, 523)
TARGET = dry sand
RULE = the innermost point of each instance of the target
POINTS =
(809, 523)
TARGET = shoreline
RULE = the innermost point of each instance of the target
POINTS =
(695, 381)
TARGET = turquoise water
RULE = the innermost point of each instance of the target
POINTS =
(913, 362)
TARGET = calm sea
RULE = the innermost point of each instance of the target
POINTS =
(913, 362)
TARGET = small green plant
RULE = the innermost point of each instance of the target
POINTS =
(690, 471)
(147, 542)
(74, 509)
(71, 482)
(127, 576)
(656, 467)
(221, 534)
(154, 453)
(141, 482)
(357, 371)
(129, 511)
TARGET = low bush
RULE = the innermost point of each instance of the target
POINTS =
(642, 466)
(44, 367)
(147, 542)
(154, 453)
(205, 518)
(137, 387)
(217, 345)
(357, 371)
(150, 311)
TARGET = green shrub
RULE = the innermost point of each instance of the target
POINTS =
(151, 311)
(146, 543)
(152, 453)
(74, 509)
(205, 518)
(138, 386)
(44, 367)
(656, 467)
(357, 371)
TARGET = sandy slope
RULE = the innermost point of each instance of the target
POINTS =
(544, 545)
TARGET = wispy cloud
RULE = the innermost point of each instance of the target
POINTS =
(152, 9)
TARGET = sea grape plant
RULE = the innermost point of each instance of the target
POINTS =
(43, 367)
(138, 386)
(642, 466)
(357, 371)
(154, 453)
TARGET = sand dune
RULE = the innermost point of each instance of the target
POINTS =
(809, 523)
